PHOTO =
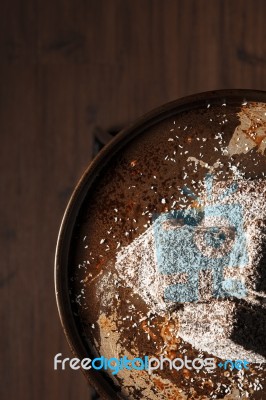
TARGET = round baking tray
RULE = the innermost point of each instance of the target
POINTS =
(102, 384)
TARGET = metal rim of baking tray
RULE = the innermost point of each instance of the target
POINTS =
(233, 96)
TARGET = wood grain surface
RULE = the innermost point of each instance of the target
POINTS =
(66, 67)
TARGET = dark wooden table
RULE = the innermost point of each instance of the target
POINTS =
(66, 67)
